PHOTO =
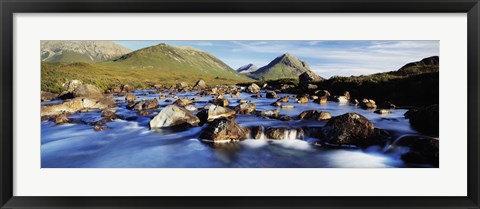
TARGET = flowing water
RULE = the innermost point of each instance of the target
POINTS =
(131, 144)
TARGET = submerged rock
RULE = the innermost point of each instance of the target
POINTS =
(352, 129)
(173, 115)
(245, 108)
(144, 105)
(315, 115)
(425, 120)
(183, 102)
(283, 133)
(223, 129)
(61, 119)
(108, 113)
(382, 111)
(271, 94)
(47, 96)
(422, 150)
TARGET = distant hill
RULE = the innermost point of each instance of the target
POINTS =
(284, 66)
(160, 64)
(80, 51)
(247, 68)
(427, 65)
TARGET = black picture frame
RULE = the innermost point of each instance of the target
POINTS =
(10, 7)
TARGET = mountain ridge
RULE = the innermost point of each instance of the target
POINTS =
(80, 51)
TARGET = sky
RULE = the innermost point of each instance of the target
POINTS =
(326, 58)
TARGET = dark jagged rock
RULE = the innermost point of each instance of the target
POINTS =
(422, 150)
(223, 129)
(425, 119)
(353, 129)
(271, 94)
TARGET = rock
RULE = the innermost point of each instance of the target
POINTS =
(342, 99)
(283, 133)
(61, 119)
(256, 96)
(221, 102)
(173, 115)
(283, 99)
(242, 101)
(271, 94)
(257, 132)
(182, 86)
(216, 111)
(191, 108)
(168, 100)
(200, 85)
(47, 96)
(286, 118)
(128, 88)
(382, 111)
(322, 95)
(355, 102)
(352, 129)
(108, 113)
(223, 129)
(71, 85)
(303, 100)
(425, 120)
(422, 150)
(368, 104)
(253, 89)
(144, 104)
(287, 106)
(321, 100)
(245, 108)
(270, 113)
(183, 102)
(388, 105)
(115, 89)
(129, 97)
(315, 115)
(100, 128)
(87, 91)
(308, 77)
(276, 104)
(74, 105)
(312, 87)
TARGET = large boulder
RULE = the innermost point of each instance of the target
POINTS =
(71, 85)
(422, 150)
(173, 115)
(245, 108)
(315, 115)
(224, 129)
(283, 133)
(352, 129)
(200, 85)
(425, 120)
(253, 89)
(216, 111)
(182, 86)
(307, 78)
(87, 91)
(74, 105)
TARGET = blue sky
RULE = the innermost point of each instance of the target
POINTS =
(326, 58)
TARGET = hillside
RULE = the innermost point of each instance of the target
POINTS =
(416, 83)
(80, 51)
(160, 64)
(284, 66)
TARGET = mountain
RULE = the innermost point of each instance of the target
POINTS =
(80, 51)
(284, 66)
(426, 65)
(159, 64)
(247, 68)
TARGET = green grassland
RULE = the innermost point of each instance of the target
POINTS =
(160, 64)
